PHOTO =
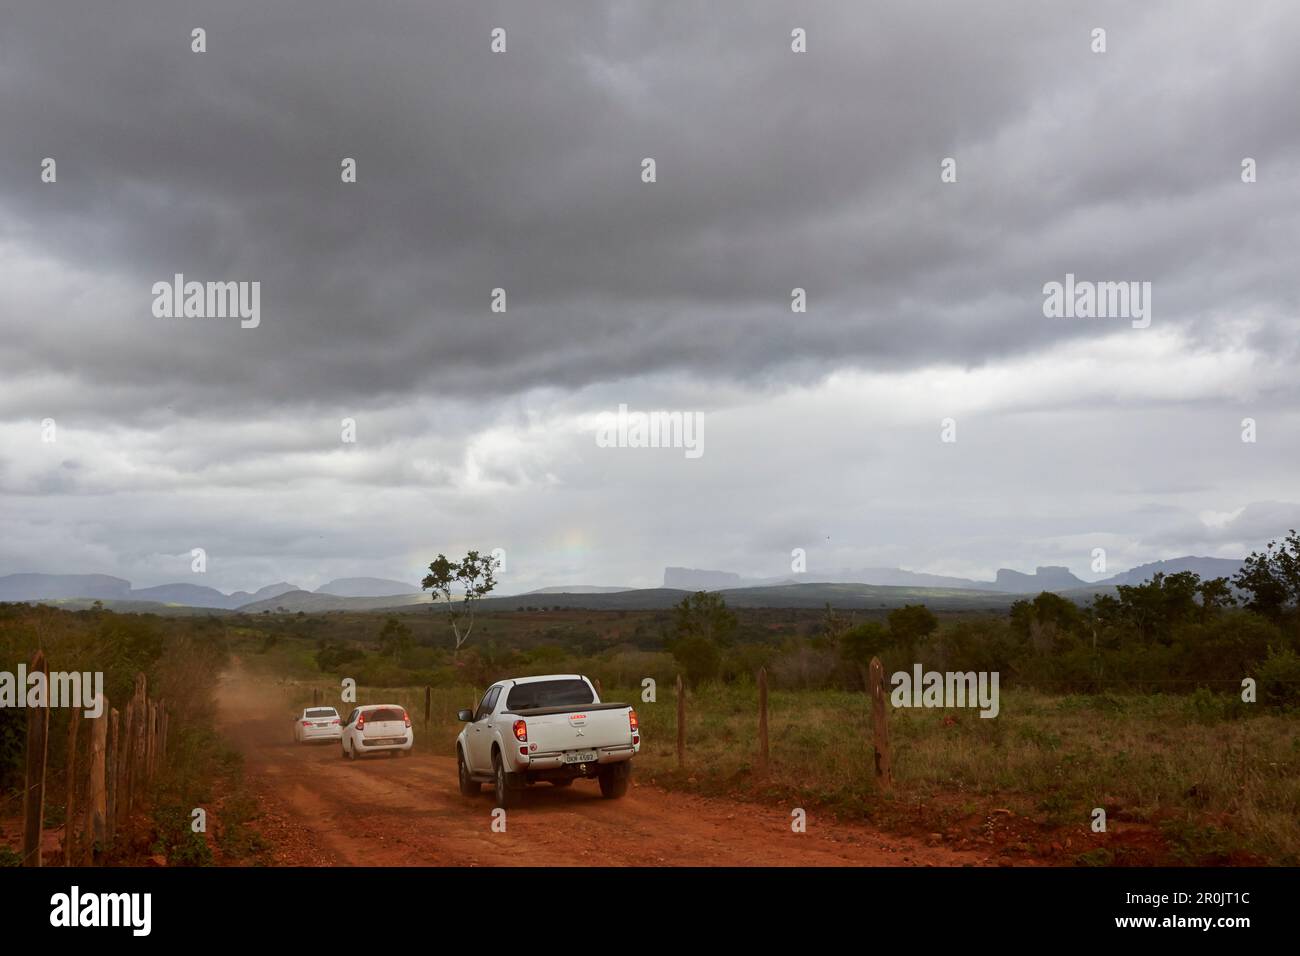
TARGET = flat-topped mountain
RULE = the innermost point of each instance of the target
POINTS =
(367, 587)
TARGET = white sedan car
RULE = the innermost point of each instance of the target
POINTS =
(378, 728)
(317, 723)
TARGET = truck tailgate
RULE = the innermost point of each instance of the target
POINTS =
(598, 726)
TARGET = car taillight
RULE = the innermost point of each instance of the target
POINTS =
(632, 723)
(337, 722)
(523, 751)
(306, 723)
(521, 730)
(361, 723)
(407, 718)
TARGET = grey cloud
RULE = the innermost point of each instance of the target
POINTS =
(521, 171)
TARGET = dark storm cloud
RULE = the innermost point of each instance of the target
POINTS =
(522, 171)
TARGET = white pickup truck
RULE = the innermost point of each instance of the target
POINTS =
(551, 728)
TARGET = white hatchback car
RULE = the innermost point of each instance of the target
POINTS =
(377, 728)
(317, 723)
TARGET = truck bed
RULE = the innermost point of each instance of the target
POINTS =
(543, 711)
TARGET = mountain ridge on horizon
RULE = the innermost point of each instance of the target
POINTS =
(37, 587)
(1008, 580)
(368, 591)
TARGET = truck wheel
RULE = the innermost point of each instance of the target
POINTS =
(506, 793)
(614, 781)
(468, 787)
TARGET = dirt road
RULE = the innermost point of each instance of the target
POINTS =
(320, 810)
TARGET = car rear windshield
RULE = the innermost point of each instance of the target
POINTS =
(549, 693)
(322, 712)
(385, 713)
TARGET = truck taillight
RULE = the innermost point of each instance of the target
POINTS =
(633, 724)
(406, 717)
(521, 730)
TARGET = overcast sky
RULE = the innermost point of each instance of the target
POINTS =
(522, 170)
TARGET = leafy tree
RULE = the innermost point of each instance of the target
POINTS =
(476, 577)
(1216, 594)
(702, 626)
(395, 639)
(1047, 621)
(911, 624)
(333, 655)
(1158, 606)
(859, 644)
(705, 615)
(832, 626)
(1272, 578)
(978, 644)
(1228, 646)
(1279, 678)
(698, 656)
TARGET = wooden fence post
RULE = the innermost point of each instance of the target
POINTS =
(38, 745)
(880, 728)
(155, 742)
(96, 794)
(71, 822)
(428, 703)
(160, 750)
(111, 760)
(762, 719)
(151, 742)
(154, 725)
(140, 735)
(600, 691)
(124, 744)
(681, 723)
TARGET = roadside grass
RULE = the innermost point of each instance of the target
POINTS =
(1209, 776)
(1213, 782)
(204, 772)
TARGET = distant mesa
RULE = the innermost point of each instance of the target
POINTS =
(580, 589)
(1049, 578)
(314, 602)
(367, 587)
(1007, 580)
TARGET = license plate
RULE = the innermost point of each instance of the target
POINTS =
(586, 756)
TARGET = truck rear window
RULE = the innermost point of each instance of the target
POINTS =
(549, 693)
